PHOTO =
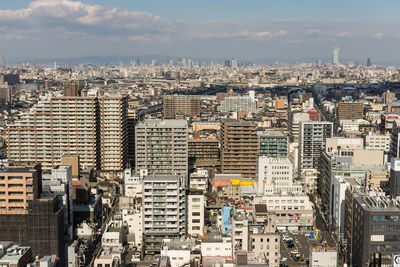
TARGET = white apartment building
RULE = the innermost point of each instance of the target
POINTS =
(199, 180)
(377, 141)
(161, 147)
(133, 185)
(195, 214)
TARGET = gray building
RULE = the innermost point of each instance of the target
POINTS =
(238, 103)
(161, 147)
(375, 230)
(312, 136)
(164, 210)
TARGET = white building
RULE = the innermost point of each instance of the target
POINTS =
(133, 185)
(336, 208)
(199, 180)
(240, 232)
(323, 257)
(195, 216)
(378, 141)
(179, 252)
(133, 218)
(278, 173)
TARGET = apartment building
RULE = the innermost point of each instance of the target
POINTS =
(273, 144)
(239, 148)
(18, 185)
(181, 106)
(164, 210)
(350, 111)
(71, 126)
(161, 147)
(238, 103)
(114, 132)
(312, 142)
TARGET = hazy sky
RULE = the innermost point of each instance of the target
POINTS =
(243, 29)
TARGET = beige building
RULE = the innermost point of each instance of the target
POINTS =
(73, 126)
(18, 185)
(239, 148)
(181, 106)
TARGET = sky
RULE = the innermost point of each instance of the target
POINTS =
(252, 30)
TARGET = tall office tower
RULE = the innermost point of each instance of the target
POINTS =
(273, 144)
(369, 64)
(238, 103)
(161, 147)
(164, 210)
(312, 139)
(114, 132)
(181, 106)
(5, 94)
(27, 217)
(239, 148)
(10, 79)
(54, 128)
(73, 88)
(350, 111)
(335, 56)
(228, 63)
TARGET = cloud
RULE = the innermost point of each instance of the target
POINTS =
(342, 34)
(313, 31)
(378, 35)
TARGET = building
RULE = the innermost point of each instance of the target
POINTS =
(73, 88)
(14, 255)
(9, 78)
(204, 151)
(275, 176)
(181, 105)
(294, 122)
(395, 141)
(394, 178)
(375, 230)
(199, 180)
(378, 141)
(349, 111)
(335, 56)
(164, 210)
(5, 94)
(195, 213)
(273, 144)
(238, 103)
(161, 147)
(239, 148)
(312, 142)
(54, 128)
(113, 132)
(18, 186)
(323, 257)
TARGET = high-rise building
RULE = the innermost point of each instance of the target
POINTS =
(73, 88)
(273, 144)
(61, 126)
(73, 126)
(161, 147)
(350, 111)
(394, 178)
(335, 56)
(5, 94)
(369, 64)
(181, 105)
(164, 210)
(114, 132)
(239, 147)
(312, 138)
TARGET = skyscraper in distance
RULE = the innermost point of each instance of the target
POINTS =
(335, 56)
(369, 64)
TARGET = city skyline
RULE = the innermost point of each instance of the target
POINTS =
(283, 32)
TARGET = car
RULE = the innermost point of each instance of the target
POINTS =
(294, 251)
(291, 245)
(284, 259)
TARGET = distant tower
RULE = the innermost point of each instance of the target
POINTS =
(369, 62)
(335, 56)
(228, 63)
